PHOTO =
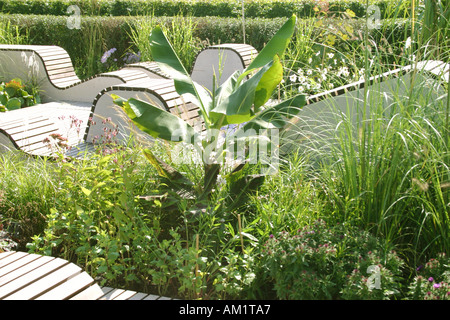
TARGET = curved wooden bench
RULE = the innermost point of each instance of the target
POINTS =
(30, 129)
(222, 59)
(318, 120)
(25, 276)
(106, 117)
(52, 69)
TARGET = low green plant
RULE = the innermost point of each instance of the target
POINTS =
(15, 95)
(330, 262)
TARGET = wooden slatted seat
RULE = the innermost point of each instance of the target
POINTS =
(230, 57)
(30, 129)
(160, 92)
(34, 277)
(51, 67)
(25, 276)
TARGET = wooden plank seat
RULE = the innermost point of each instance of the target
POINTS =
(25, 276)
(109, 122)
(222, 59)
(326, 111)
(37, 130)
(52, 69)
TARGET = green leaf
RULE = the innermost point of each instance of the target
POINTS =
(13, 104)
(156, 122)
(169, 62)
(237, 106)
(182, 186)
(87, 192)
(276, 46)
(277, 116)
(3, 98)
(268, 83)
(10, 92)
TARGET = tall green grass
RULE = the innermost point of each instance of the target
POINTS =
(179, 30)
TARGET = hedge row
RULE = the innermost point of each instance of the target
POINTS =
(197, 8)
(114, 32)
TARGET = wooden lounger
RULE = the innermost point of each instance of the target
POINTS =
(52, 69)
(109, 123)
(25, 276)
(223, 60)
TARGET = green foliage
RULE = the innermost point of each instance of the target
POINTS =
(237, 101)
(14, 95)
(218, 8)
(12, 34)
(322, 262)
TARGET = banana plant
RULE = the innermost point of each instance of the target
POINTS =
(241, 100)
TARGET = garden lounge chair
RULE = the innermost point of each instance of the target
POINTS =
(217, 60)
(324, 112)
(25, 276)
(50, 67)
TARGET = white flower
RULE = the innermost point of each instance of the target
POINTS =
(310, 60)
(301, 89)
(343, 71)
(408, 43)
(309, 72)
(330, 55)
(293, 78)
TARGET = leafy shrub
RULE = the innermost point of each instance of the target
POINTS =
(14, 95)
(321, 262)
(219, 8)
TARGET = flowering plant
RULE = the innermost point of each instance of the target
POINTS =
(111, 59)
(432, 281)
(322, 262)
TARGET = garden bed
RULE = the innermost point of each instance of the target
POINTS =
(360, 215)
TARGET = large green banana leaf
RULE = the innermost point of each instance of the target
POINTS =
(155, 121)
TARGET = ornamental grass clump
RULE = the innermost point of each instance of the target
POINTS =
(323, 262)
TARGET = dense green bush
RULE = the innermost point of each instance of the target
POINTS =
(330, 262)
(219, 8)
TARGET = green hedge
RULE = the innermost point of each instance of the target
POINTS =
(219, 8)
(114, 32)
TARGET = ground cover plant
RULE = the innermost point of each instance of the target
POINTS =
(360, 215)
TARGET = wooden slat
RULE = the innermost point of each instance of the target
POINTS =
(30, 277)
(69, 288)
(111, 293)
(92, 293)
(16, 265)
(24, 269)
(35, 289)
(10, 258)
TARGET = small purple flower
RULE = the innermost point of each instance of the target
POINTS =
(430, 279)
(436, 285)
